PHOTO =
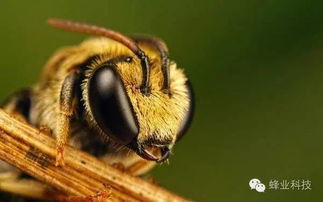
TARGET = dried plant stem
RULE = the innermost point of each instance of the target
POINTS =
(26, 148)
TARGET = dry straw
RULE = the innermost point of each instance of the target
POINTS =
(83, 178)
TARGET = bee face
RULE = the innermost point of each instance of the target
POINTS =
(147, 124)
(162, 118)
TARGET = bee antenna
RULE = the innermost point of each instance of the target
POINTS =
(163, 52)
(101, 31)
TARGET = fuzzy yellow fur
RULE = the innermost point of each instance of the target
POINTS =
(158, 114)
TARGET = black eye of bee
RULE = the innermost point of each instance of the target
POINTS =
(186, 122)
(110, 105)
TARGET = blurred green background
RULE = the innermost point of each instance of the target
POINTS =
(257, 69)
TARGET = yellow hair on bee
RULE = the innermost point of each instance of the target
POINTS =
(158, 114)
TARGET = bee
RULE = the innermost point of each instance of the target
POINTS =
(116, 97)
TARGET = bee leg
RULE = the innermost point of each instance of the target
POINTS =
(65, 114)
(18, 105)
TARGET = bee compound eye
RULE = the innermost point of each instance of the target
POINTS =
(110, 105)
(187, 120)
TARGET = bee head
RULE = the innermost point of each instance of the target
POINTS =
(133, 94)
(147, 124)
